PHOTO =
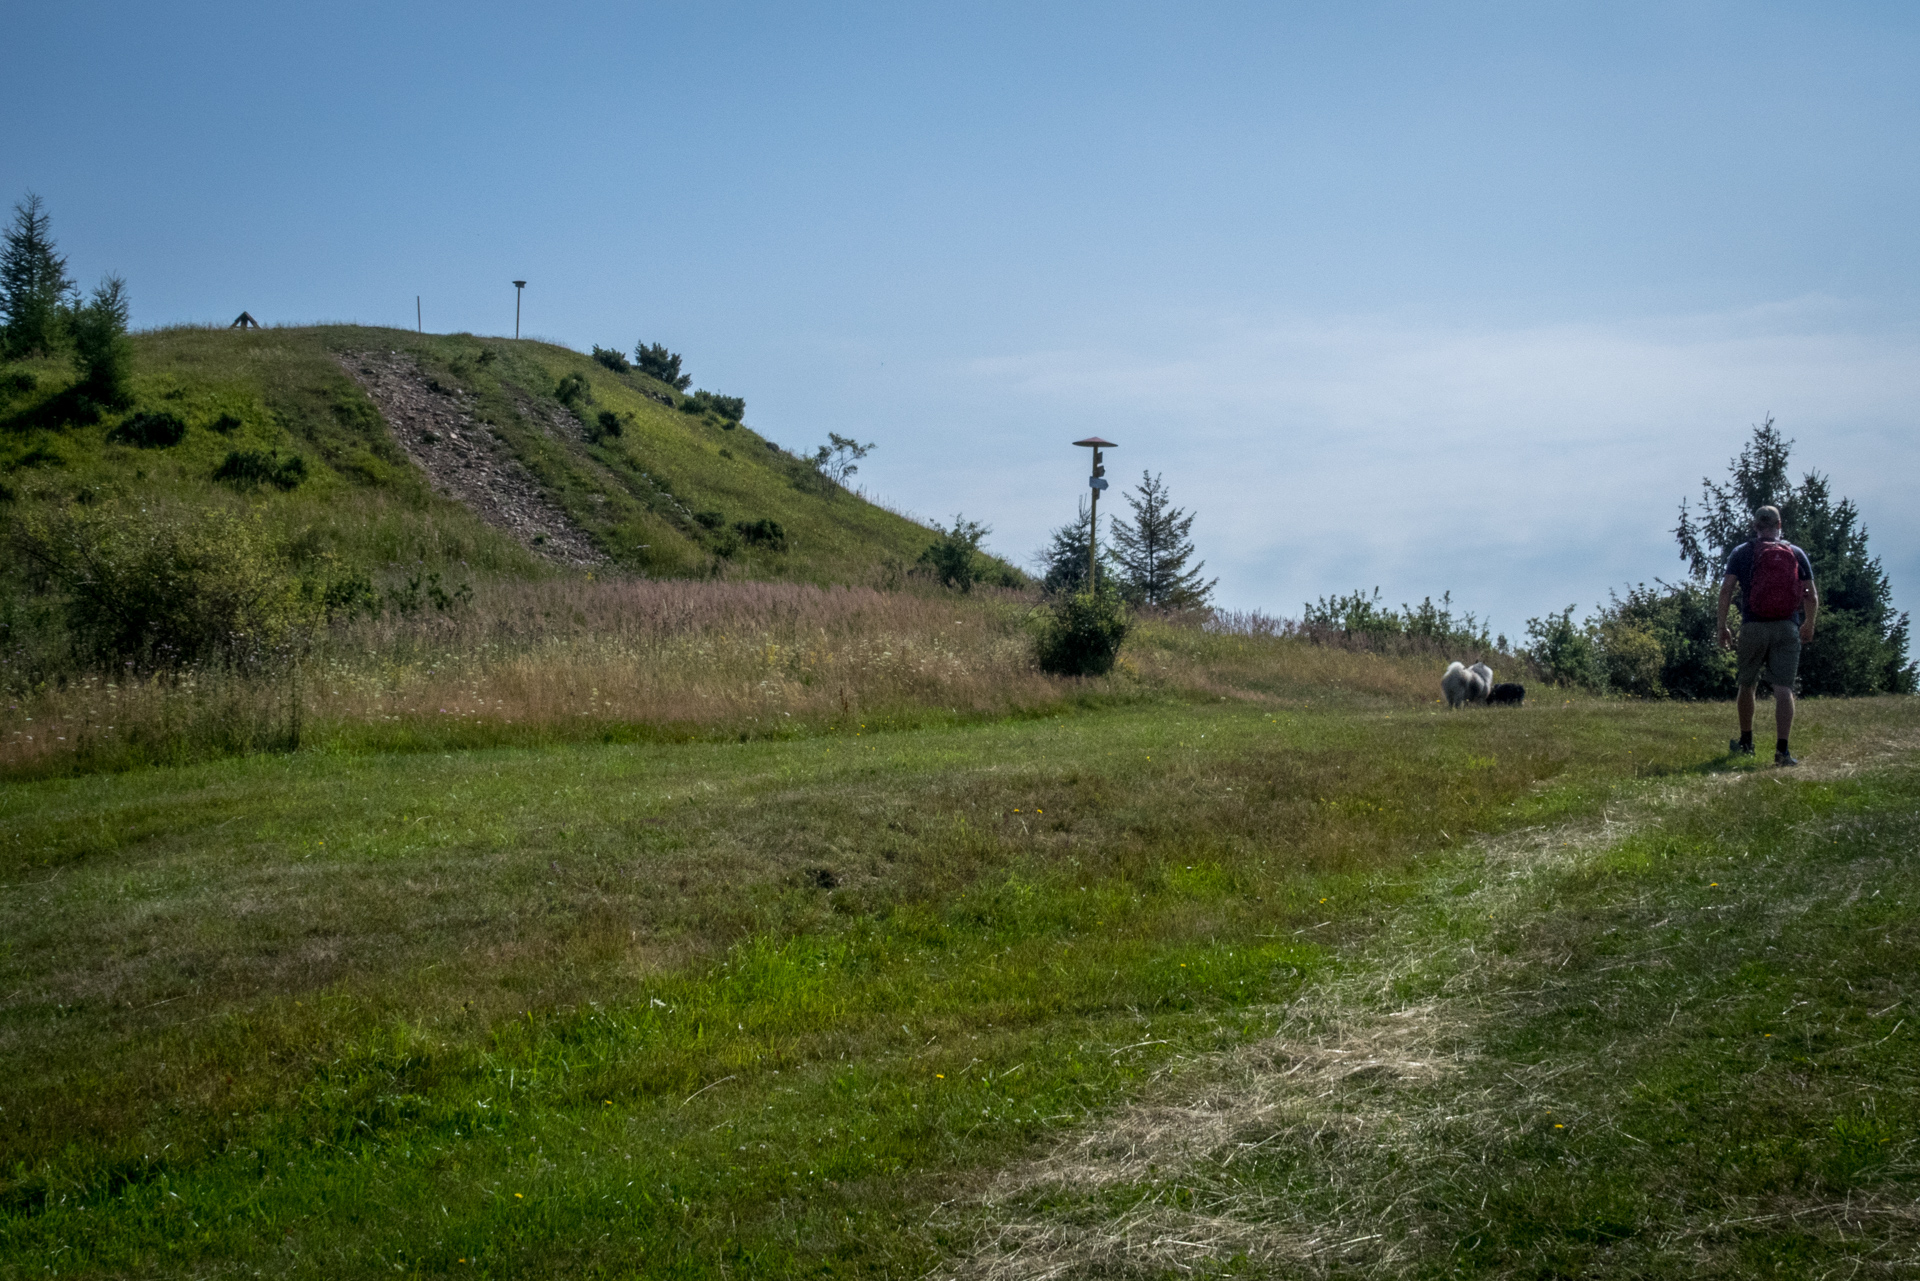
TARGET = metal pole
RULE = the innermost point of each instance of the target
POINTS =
(1094, 484)
(518, 285)
(1093, 533)
(418, 327)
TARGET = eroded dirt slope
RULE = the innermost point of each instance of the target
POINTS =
(463, 460)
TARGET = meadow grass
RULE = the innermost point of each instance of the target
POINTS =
(570, 660)
(712, 1007)
(1676, 1041)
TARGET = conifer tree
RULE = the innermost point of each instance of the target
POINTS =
(34, 285)
(101, 346)
(1153, 550)
(1063, 561)
(1860, 645)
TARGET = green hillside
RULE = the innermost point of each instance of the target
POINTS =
(673, 494)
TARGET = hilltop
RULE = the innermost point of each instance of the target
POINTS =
(507, 457)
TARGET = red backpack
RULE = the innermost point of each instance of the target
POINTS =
(1775, 592)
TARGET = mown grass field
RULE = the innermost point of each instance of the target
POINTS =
(825, 1005)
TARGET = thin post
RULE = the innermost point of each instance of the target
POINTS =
(1093, 534)
(418, 326)
(1095, 483)
(518, 285)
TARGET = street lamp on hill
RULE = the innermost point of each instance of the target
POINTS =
(1095, 482)
(518, 285)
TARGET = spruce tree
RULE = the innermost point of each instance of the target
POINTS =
(34, 285)
(1153, 550)
(1860, 644)
(101, 347)
(1063, 561)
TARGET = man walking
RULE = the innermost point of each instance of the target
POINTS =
(1777, 607)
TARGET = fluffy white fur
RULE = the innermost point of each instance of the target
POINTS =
(1463, 684)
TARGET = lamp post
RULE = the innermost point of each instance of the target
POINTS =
(518, 285)
(1096, 482)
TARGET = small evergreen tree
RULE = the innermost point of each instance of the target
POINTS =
(102, 348)
(1063, 561)
(1153, 550)
(34, 285)
(655, 361)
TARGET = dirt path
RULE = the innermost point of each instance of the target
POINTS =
(462, 458)
(1350, 1065)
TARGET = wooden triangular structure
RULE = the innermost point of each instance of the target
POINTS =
(245, 320)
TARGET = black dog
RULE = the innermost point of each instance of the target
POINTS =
(1507, 693)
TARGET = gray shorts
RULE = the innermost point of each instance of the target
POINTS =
(1770, 648)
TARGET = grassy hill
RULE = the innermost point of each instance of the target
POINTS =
(673, 494)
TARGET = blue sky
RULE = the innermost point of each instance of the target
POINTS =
(1423, 296)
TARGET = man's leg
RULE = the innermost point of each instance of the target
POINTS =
(1745, 704)
(1783, 664)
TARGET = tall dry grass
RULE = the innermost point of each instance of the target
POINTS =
(582, 659)
(534, 661)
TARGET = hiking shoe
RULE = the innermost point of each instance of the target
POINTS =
(1785, 758)
(1737, 748)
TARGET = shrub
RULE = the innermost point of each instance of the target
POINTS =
(1631, 658)
(17, 382)
(605, 425)
(728, 408)
(1563, 650)
(245, 468)
(1081, 634)
(1683, 620)
(612, 359)
(418, 592)
(954, 556)
(573, 391)
(225, 424)
(1848, 657)
(150, 430)
(160, 588)
(762, 533)
(1358, 614)
(709, 520)
(655, 361)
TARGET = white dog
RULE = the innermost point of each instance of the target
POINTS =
(1463, 684)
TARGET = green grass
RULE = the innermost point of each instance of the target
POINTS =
(283, 390)
(1679, 1043)
(707, 1008)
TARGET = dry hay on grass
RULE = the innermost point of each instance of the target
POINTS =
(1350, 1072)
(1328, 1079)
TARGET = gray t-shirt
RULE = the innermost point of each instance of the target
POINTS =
(1740, 566)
